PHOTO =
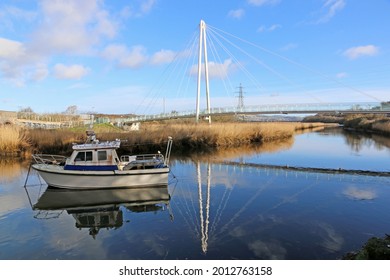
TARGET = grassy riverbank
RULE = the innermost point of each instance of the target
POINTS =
(376, 123)
(369, 123)
(187, 137)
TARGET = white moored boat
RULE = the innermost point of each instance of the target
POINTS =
(96, 165)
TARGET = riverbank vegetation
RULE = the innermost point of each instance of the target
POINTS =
(187, 136)
(375, 123)
(13, 140)
(369, 123)
(374, 249)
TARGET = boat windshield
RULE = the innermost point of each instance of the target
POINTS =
(83, 156)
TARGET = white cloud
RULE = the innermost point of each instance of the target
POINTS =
(16, 63)
(263, 2)
(162, 57)
(15, 12)
(40, 72)
(69, 27)
(273, 27)
(271, 249)
(114, 51)
(10, 49)
(126, 12)
(239, 13)
(216, 70)
(72, 72)
(331, 7)
(356, 52)
(147, 5)
(289, 46)
(331, 239)
(341, 75)
(105, 26)
(135, 57)
(72, 27)
(144, 7)
(124, 57)
(359, 194)
(11, 16)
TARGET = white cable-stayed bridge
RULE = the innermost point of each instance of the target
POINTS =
(196, 73)
(281, 86)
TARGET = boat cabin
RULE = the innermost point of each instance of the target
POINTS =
(94, 157)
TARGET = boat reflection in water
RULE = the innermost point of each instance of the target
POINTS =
(95, 209)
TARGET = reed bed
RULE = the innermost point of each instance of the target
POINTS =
(383, 126)
(369, 122)
(153, 136)
(193, 136)
(54, 140)
(13, 140)
(207, 137)
(378, 123)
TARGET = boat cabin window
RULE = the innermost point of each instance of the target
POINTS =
(102, 155)
(83, 156)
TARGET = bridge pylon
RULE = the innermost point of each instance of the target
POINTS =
(202, 51)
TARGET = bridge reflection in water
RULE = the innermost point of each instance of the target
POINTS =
(220, 206)
(213, 215)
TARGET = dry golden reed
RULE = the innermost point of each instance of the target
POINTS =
(216, 135)
(383, 126)
(54, 140)
(12, 139)
(187, 136)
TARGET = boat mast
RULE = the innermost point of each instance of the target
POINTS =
(202, 45)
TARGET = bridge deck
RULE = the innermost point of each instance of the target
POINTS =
(347, 108)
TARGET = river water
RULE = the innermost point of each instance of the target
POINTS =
(219, 206)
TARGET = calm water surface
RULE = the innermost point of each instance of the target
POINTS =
(219, 207)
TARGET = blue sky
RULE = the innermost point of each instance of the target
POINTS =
(139, 56)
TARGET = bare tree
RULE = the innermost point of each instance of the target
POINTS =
(26, 110)
(71, 110)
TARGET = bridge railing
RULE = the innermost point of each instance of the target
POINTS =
(268, 108)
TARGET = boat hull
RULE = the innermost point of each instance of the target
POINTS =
(56, 176)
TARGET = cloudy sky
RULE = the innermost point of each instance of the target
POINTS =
(139, 56)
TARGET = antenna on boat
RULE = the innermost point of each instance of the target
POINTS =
(91, 136)
(91, 121)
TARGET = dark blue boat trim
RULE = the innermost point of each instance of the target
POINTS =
(91, 167)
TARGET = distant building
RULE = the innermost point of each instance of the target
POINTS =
(132, 126)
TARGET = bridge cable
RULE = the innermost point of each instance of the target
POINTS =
(300, 65)
(168, 73)
(269, 68)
